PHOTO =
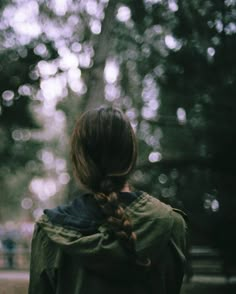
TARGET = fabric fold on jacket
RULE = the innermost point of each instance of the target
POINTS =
(78, 251)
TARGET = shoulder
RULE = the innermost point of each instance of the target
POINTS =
(158, 209)
(43, 250)
(180, 218)
(39, 235)
(43, 262)
(175, 219)
(151, 205)
(180, 221)
(179, 229)
(40, 239)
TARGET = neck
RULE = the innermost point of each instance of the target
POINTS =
(126, 188)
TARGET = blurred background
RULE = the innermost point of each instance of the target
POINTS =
(171, 66)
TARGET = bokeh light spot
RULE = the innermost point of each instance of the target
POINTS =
(163, 178)
(26, 203)
(181, 115)
(111, 71)
(64, 178)
(173, 6)
(211, 51)
(123, 14)
(8, 95)
(154, 156)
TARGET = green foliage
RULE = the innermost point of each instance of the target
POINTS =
(181, 54)
(175, 82)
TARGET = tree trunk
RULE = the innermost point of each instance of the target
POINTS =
(95, 83)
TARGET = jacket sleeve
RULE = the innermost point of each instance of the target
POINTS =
(42, 264)
(175, 259)
(168, 272)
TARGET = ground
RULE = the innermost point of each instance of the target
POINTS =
(13, 282)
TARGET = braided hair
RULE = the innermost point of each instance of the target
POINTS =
(104, 153)
(116, 218)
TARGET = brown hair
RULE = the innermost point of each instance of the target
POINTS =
(104, 153)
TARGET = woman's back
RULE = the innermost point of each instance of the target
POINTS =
(107, 240)
(94, 262)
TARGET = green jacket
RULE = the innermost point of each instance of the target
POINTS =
(64, 261)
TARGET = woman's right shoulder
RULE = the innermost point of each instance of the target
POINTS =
(39, 238)
(43, 250)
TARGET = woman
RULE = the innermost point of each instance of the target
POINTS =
(109, 239)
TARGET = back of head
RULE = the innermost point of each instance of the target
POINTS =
(104, 153)
(103, 150)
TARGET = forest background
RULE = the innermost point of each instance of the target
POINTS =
(169, 65)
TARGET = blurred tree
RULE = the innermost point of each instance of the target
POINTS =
(177, 65)
(18, 148)
(16, 123)
(168, 64)
(95, 84)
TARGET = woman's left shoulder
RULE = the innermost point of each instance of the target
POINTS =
(180, 215)
(180, 228)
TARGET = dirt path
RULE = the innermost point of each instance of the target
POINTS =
(13, 282)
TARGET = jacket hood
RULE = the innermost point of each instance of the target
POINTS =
(97, 250)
